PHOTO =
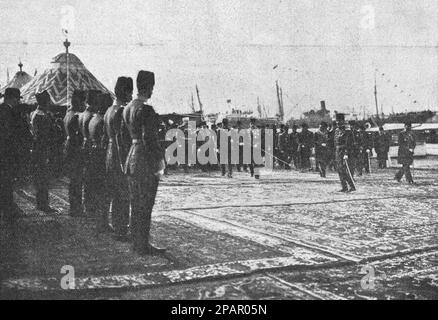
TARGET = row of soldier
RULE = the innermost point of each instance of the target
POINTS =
(111, 156)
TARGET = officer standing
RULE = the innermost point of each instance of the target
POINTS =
(42, 128)
(406, 146)
(98, 185)
(84, 121)
(382, 144)
(366, 151)
(354, 156)
(224, 134)
(9, 154)
(305, 139)
(72, 152)
(321, 148)
(293, 146)
(145, 162)
(283, 147)
(343, 147)
(118, 146)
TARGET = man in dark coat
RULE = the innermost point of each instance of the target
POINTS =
(365, 151)
(381, 145)
(145, 162)
(305, 139)
(406, 146)
(354, 157)
(293, 146)
(118, 147)
(224, 136)
(42, 128)
(344, 147)
(283, 145)
(321, 148)
(98, 181)
(72, 152)
(84, 121)
(8, 154)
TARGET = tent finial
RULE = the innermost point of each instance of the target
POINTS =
(20, 65)
(66, 45)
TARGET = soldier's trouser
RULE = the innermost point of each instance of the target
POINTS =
(143, 191)
(405, 170)
(345, 178)
(322, 164)
(305, 158)
(98, 204)
(382, 157)
(118, 196)
(6, 193)
(41, 181)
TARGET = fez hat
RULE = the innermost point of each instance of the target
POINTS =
(408, 124)
(79, 96)
(105, 101)
(43, 98)
(145, 80)
(92, 97)
(225, 121)
(305, 125)
(323, 124)
(12, 93)
(381, 128)
(123, 85)
(340, 117)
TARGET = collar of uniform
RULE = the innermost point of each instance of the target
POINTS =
(142, 98)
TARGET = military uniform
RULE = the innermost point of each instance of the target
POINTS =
(283, 144)
(144, 161)
(98, 204)
(224, 131)
(293, 147)
(343, 146)
(84, 121)
(118, 188)
(366, 151)
(321, 151)
(382, 143)
(8, 160)
(406, 146)
(73, 161)
(305, 139)
(42, 127)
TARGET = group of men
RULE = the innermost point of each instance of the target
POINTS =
(111, 156)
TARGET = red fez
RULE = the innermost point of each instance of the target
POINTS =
(105, 101)
(11, 93)
(123, 85)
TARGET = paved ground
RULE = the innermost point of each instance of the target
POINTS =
(287, 236)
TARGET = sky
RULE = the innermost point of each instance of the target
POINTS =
(316, 49)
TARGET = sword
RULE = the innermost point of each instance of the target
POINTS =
(349, 173)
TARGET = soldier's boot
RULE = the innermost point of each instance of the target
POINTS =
(399, 175)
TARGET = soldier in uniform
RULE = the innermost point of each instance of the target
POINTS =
(294, 145)
(227, 165)
(72, 152)
(42, 128)
(84, 121)
(354, 156)
(365, 151)
(98, 185)
(381, 145)
(8, 154)
(305, 139)
(321, 148)
(145, 162)
(282, 145)
(118, 146)
(343, 146)
(406, 146)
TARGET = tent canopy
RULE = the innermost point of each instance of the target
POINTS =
(54, 80)
(20, 79)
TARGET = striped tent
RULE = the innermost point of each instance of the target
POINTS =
(54, 80)
(20, 79)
